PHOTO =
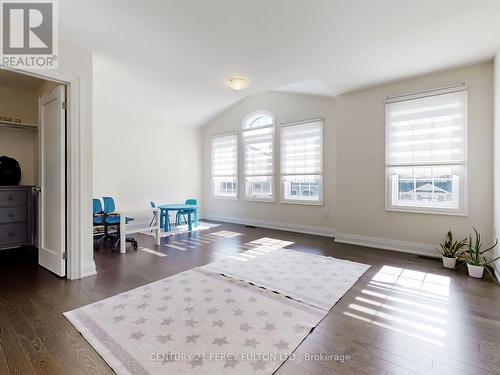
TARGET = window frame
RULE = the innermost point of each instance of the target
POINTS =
(225, 197)
(306, 202)
(243, 129)
(462, 209)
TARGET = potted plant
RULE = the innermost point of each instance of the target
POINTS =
(477, 260)
(450, 251)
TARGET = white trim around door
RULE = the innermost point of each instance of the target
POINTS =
(77, 230)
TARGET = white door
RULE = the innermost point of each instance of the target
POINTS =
(52, 181)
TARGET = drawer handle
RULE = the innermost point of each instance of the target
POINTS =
(11, 234)
(11, 214)
(11, 198)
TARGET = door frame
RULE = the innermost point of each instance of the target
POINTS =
(74, 160)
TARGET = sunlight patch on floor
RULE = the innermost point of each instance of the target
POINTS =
(271, 242)
(225, 234)
(406, 301)
(154, 252)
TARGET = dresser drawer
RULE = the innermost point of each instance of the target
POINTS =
(10, 233)
(13, 198)
(13, 214)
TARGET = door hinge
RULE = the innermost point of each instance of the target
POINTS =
(64, 255)
(64, 105)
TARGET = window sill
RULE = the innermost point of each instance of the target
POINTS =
(222, 197)
(265, 200)
(302, 202)
(427, 210)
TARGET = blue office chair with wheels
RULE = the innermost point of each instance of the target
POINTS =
(97, 221)
(182, 214)
(112, 219)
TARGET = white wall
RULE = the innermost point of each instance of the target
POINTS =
(22, 145)
(496, 140)
(360, 122)
(137, 157)
(286, 108)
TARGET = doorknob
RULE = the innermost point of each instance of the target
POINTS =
(11, 214)
(38, 190)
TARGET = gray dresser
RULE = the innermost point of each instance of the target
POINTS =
(16, 216)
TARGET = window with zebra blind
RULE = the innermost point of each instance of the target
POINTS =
(225, 166)
(302, 162)
(426, 151)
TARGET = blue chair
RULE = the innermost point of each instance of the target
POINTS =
(163, 216)
(112, 219)
(182, 214)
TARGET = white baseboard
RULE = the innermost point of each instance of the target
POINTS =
(387, 244)
(88, 269)
(290, 227)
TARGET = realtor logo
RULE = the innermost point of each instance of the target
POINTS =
(29, 38)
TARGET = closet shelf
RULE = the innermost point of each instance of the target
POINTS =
(17, 125)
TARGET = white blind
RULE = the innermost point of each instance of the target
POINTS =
(225, 155)
(427, 130)
(301, 149)
(258, 149)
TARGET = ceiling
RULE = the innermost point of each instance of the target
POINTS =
(176, 55)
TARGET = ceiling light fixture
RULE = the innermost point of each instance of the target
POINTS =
(238, 83)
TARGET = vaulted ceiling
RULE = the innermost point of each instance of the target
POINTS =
(171, 58)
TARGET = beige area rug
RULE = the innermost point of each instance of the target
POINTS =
(196, 322)
(319, 281)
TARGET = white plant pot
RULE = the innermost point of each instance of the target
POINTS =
(475, 271)
(449, 262)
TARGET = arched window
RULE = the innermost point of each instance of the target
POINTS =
(258, 155)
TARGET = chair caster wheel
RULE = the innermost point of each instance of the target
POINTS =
(135, 246)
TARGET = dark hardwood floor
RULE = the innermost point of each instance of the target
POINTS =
(406, 315)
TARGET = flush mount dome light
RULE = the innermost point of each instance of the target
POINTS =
(238, 83)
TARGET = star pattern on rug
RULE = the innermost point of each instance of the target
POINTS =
(141, 320)
(282, 345)
(163, 338)
(251, 342)
(213, 310)
(298, 328)
(191, 322)
(245, 327)
(218, 323)
(136, 335)
(258, 365)
(220, 341)
(197, 362)
(118, 318)
(269, 327)
(167, 322)
(192, 338)
(238, 312)
(231, 362)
